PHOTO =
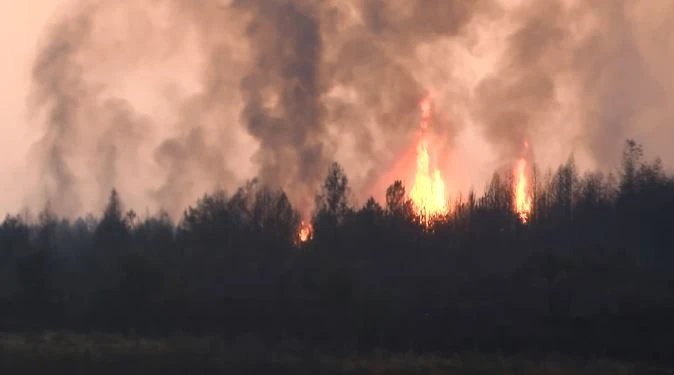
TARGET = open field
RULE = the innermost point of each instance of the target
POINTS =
(112, 354)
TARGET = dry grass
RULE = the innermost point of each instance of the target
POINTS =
(111, 354)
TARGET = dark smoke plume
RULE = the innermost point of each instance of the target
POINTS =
(588, 48)
(285, 71)
(59, 85)
(168, 99)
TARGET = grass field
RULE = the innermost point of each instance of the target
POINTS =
(110, 354)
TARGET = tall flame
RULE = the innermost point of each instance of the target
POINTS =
(522, 189)
(305, 232)
(428, 191)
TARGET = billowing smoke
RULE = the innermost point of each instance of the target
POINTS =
(282, 94)
(574, 73)
(168, 99)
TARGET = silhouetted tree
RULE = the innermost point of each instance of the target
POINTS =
(631, 161)
(205, 225)
(14, 238)
(333, 199)
(332, 208)
(563, 192)
(590, 272)
(112, 232)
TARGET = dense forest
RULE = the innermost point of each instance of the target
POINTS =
(590, 272)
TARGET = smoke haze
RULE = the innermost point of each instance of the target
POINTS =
(166, 100)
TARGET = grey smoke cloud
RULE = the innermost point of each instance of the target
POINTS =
(168, 99)
(581, 59)
(61, 88)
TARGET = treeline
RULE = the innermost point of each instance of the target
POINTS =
(589, 273)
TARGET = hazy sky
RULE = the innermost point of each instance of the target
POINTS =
(22, 23)
(166, 100)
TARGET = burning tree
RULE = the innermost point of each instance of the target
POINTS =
(522, 197)
(428, 191)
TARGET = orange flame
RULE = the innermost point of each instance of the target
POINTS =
(428, 191)
(305, 232)
(522, 190)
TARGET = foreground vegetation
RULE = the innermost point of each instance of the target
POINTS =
(108, 354)
(588, 275)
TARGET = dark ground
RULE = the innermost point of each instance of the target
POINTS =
(112, 354)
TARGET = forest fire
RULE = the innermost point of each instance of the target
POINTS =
(522, 188)
(305, 232)
(428, 191)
